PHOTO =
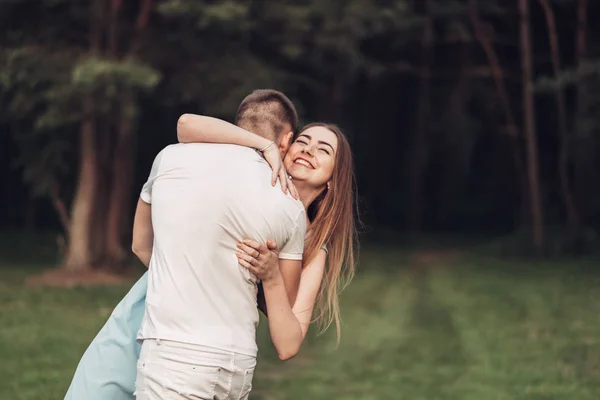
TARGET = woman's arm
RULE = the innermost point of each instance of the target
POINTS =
(310, 284)
(192, 128)
(288, 325)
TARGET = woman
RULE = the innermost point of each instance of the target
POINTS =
(320, 165)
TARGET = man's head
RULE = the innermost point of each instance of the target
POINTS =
(269, 113)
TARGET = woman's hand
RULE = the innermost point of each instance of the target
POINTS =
(273, 157)
(262, 260)
(193, 128)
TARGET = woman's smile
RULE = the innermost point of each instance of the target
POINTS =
(303, 162)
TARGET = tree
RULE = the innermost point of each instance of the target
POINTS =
(60, 85)
(79, 255)
(584, 145)
(419, 150)
(27, 81)
(530, 129)
(484, 34)
(573, 221)
(118, 216)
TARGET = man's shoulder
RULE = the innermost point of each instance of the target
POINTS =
(288, 203)
(228, 152)
(168, 149)
(189, 147)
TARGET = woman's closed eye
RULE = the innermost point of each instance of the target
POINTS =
(325, 150)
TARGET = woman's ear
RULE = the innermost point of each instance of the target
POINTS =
(328, 185)
(285, 141)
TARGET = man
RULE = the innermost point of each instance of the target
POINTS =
(199, 327)
(198, 330)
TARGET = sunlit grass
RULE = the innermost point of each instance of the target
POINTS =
(448, 327)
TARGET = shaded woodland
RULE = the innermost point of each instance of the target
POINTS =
(465, 116)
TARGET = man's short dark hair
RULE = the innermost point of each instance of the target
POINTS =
(268, 113)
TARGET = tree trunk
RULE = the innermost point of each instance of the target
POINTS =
(581, 169)
(453, 170)
(30, 213)
(118, 207)
(141, 24)
(512, 127)
(61, 210)
(418, 157)
(530, 129)
(79, 255)
(113, 28)
(105, 144)
(573, 221)
(331, 102)
(118, 219)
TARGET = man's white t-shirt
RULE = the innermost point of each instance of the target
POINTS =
(205, 199)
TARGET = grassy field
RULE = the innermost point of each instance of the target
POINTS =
(416, 326)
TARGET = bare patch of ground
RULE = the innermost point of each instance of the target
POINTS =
(61, 277)
(433, 257)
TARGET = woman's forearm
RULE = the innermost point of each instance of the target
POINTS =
(199, 128)
(288, 325)
(285, 329)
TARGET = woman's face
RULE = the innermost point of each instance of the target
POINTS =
(311, 158)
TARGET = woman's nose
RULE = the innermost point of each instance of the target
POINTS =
(308, 149)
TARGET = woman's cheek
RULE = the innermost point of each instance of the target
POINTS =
(287, 162)
(329, 169)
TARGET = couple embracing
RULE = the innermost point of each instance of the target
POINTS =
(239, 218)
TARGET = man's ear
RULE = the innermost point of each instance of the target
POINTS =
(285, 141)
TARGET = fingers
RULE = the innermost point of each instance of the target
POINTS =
(274, 175)
(283, 179)
(248, 266)
(255, 245)
(271, 245)
(248, 259)
(293, 190)
(251, 251)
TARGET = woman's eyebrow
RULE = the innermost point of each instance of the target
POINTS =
(320, 141)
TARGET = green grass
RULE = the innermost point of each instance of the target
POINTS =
(460, 328)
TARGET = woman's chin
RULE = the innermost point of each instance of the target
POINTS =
(298, 177)
(296, 172)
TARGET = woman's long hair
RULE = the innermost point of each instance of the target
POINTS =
(332, 216)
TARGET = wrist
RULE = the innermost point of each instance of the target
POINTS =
(270, 146)
(275, 279)
(260, 142)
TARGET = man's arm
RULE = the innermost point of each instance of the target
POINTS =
(143, 234)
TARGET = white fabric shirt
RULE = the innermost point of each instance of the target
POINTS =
(205, 199)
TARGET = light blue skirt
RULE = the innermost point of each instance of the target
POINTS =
(108, 367)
